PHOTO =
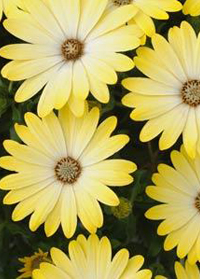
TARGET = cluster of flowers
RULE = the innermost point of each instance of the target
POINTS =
(62, 170)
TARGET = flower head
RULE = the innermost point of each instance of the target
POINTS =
(123, 210)
(178, 189)
(33, 262)
(187, 272)
(63, 171)
(71, 48)
(170, 97)
(145, 10)
(191, 7)
(92, 258)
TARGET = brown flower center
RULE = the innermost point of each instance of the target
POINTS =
(197, 202)
(68, 170)
(122, 2)
(191, 93)
(72, 49)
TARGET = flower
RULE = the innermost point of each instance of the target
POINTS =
(71, 49)
(33, 262)
(189, 272)
(191, 7)
(170, 97)
(145, 10)
(63, 171)
(178, 189)
(123, 210)
(92, 258)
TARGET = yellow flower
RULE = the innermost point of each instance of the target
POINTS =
(92, 258)
(191, 7)
(33, 262)
(62, 170)
(178, 189)
(72, 48)
(189, 272)
(170, 97)
(145, 10)
(123, 210)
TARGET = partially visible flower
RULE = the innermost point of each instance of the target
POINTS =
(33, 262)
(71, 48)
(178, 191)
(187, 272)
(92, 258)
(123, 210)
(170, 98)
(191, 7)
(145, 10)
(63, 170)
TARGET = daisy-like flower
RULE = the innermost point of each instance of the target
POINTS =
(178, 189)
(33, 262)
(92, 258)
(187, 272)
(170, 97)
(71, 49)
(63, 171)
(191, 7)
(145, 10)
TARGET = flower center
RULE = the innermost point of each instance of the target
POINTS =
(122, 2)
(191, 92)
(72, 49)
(68, 170)
(36, 262)
(197, 202)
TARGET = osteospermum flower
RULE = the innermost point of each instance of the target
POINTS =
(71, 49)
(33, 262)
(145, 10)
(191, 7)
(178, 189)
(170, 97)
(63, 171)
(92, 258)
(187, 272)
